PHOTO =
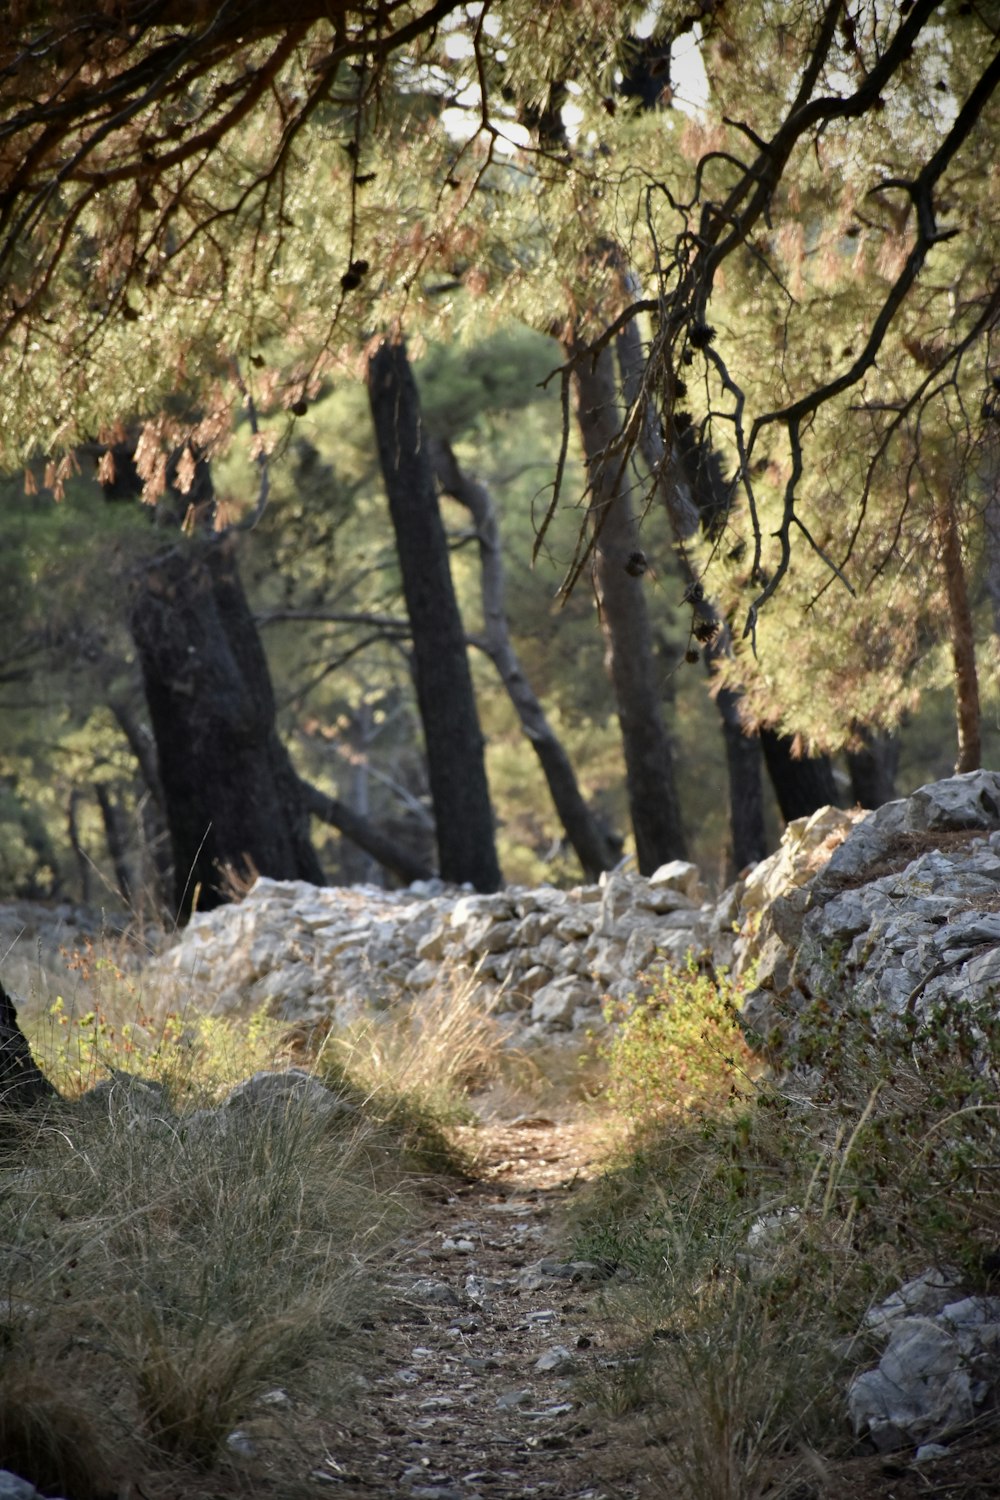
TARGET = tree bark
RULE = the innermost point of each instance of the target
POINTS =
(802, 783)
(116, 838)
(746, 790)
(873, 767)
(963, 637)
(595, 849)
(22, 1083)
(232, 799)
(654, 805)
(83, 863)
(456, 766)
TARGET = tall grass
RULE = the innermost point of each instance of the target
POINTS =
(417, 1066)
(164, 1262)
(181, 1268)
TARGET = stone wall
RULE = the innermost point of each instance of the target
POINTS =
(542, 959)
(904, 916)
(899, 908)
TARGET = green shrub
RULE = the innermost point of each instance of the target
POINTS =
(678, 1044)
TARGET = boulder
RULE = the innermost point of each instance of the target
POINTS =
(900, 919)
(940, 1366)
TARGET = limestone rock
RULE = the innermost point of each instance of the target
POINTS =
(555, 1002)
(679, 875)
(940, 1366)
(291, 1089)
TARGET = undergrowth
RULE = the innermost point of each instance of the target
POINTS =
(168, 1256)
(756, 1219)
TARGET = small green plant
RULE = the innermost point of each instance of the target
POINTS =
(678, 1044)
(194, 1055)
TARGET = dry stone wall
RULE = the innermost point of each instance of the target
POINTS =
(544, 958)
(903, 917)
(896, 909)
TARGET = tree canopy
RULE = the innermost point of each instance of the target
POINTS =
(208, 210)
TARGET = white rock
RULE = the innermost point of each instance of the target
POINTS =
(556, 1361)
(920, 1389)
(679, 875)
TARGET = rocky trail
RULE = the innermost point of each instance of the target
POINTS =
(480, 1378)
(488, 1341)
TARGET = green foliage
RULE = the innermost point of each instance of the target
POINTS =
(192, 1056)
(678, 1045)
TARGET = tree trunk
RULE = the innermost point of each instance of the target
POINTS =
(963, 638)
(456, 766)
(873, 767)
(22, 1084)
(991, 535)
(595, 849)
(158, 869)
(746, 790)
(688, 484)
(83, 863)
(117, 840)
(802, 783)
(652, 790)
(231, 797)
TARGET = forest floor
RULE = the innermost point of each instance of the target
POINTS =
(456, 1402)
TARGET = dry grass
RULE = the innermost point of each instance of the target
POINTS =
(416, 1067)
(176, 1269)
(164, 1264)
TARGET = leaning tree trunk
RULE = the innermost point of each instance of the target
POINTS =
(802, 783)
(654, 805)
(456, 766)
(595, 849)
(232, 800)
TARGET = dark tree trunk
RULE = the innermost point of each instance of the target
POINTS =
(594, 847)
(689, 484)
(746, 789)
(232, 799)
(652, 790)
(456, 766)
(802, 783)
(83, 863)
(22, 1084)
(962, 630)
(873, 767)
(117, 840)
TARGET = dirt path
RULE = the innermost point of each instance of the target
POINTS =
(488, 1343)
